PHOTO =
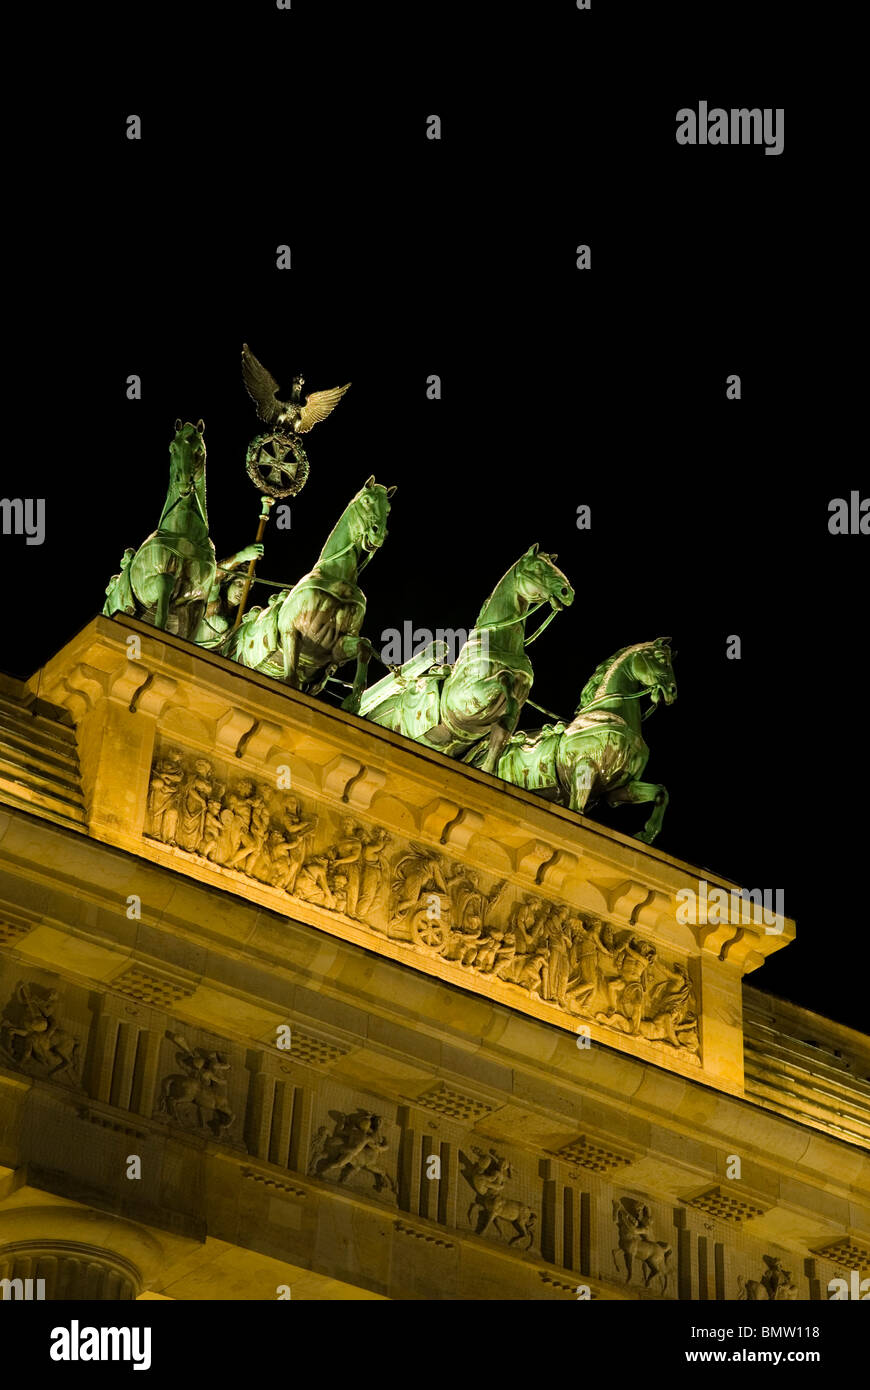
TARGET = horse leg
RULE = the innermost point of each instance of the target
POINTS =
(193, 613)
(327, 676)
(636, 793)
(364, 651)
(520, 1232)
(484, 1225)
(290, 645)
(580, 785)
(165, 584)
(498, 737)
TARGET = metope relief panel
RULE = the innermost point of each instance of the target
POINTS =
(504, 1205)
(202, 1085)
(42, 1027)
(441, 913)
(643, 1251)
(355, 1144)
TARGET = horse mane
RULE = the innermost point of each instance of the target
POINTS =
(605, 670)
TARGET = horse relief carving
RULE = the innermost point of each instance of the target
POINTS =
(196, 1097)
(636, 1242)
(32, 1038)
(775, 1284)
(487, 1174)
(356, 1146)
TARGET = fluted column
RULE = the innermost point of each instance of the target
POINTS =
(67, 1270)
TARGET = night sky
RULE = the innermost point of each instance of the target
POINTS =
(560, 388)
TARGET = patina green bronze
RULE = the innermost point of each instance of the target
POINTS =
(168, 579)
(476, 703)
(601, 753)
(228, 590)
(306, 632)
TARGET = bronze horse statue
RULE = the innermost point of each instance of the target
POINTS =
(306, 632)
(601, 753)
(473, 706)
(166, 581)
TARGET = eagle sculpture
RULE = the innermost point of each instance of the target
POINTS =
(291, 415)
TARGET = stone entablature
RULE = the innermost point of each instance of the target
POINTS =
(227, 777)
(556, 1166)
(327, 985)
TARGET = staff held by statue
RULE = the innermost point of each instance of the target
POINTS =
(278, 455)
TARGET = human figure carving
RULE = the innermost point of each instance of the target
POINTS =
(374, 845)
(355, 1145)
(593, 950)
(415, 873)
(201, 1085)
(626, 993)
(348, 853)
(163, 796)
(194, 806)
(487, 1175)
(775, 1284)
(636, 1243)
(31, 1016)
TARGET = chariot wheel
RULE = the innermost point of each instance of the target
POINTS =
(428, 931)
(277, 464)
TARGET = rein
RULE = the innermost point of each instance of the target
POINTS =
(582, 709)
(521, 618)
(182, 497)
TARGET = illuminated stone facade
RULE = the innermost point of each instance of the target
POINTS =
(288, 1002)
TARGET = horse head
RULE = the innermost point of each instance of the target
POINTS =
(652, 668)
(367, 516)
(186, 458)
(539, 580)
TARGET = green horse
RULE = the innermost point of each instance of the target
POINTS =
(167, 580)
(481, 696)
(305, 633)
(601, 753)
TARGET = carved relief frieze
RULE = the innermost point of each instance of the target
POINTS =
(445, 911)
